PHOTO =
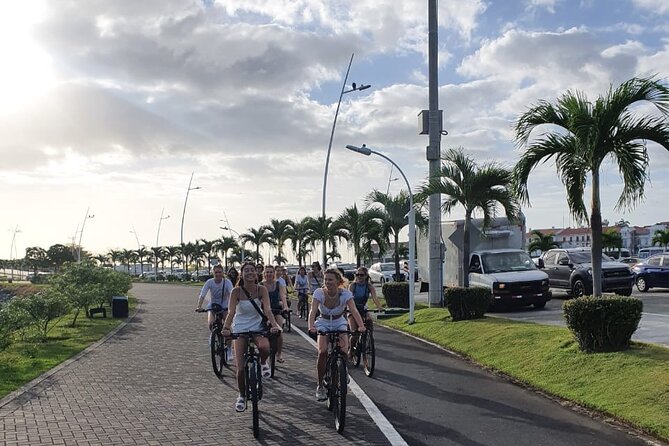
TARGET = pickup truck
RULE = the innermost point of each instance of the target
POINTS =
(512, 277)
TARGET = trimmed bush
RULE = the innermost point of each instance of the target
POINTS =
(603, 324)
(467, 303)
(396, 294)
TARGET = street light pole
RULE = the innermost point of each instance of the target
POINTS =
(159, 222)
(227, 228)
(81, 234)
(183, 215)
(11, 251)
(136, 237)
(354, 87)
(412, 223)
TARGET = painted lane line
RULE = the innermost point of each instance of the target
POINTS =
(655, 314)
(375, 414)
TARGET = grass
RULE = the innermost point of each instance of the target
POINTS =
(24, 361)
(632, 386)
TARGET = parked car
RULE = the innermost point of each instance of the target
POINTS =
(644, 253)
(652, 272)
(630, 260)
(202, 275)
(384, 272)
(511, 276)
(347, 269)
(571, 269)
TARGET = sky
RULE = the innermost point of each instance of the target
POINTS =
(107, 108)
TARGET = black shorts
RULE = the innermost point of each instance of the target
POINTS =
(277, 310)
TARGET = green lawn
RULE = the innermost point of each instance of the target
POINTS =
(632, 386)
(22, 362)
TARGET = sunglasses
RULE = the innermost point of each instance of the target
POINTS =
(360, 275)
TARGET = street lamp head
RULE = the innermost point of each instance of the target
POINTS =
(363, 150)
(363, 87)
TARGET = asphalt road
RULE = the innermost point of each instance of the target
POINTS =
(653, 328)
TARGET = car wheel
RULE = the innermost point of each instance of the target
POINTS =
(539, 305)
(383, 280)
(578, 288)
(641, 284)
(626, 293)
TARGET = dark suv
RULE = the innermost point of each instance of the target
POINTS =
(571, 269)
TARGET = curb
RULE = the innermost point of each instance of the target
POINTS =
(27, 387)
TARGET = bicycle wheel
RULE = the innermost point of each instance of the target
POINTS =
(341, 389)
(272, 353)
(359, 348)
(217, 352)
(303, 309)
(252, 390)
(330, 379)
(288, 323)
(369, 355)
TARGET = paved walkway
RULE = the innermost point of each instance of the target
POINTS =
(152, 384)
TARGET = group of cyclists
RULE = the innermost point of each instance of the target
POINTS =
(259, 298)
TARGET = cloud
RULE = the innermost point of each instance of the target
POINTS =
(654, 6)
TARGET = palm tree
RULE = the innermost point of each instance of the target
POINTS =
(101, 258)
(173, 252)
(115, 256)
(208, 247)
(358, 227)
(256, 237)
(223, 245)
(661, 237)
(394, 211)
(198, 254)
(298, 234)
(157, 254)
(324, 230)
(474, 187)
(127, 256)
(587, 134)
(142, 253)
(611, 240)
(187, 251)
(542, 242)
(36, 258)
(279, 231)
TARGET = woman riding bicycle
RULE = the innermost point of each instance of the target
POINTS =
(302, 288)
(315, 277)
(362, 289)
(332, 300)
(277, 301)
(249, 311)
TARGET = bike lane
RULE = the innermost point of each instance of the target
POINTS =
(152, 383)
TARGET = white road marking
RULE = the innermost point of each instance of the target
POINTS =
(375, 414)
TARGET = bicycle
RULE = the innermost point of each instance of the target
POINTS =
(252, 375)
(217, 345)
(274, 339)
(364, 350)
(302, 304)
(336, 378)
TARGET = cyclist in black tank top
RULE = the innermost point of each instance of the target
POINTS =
(362, 289)
(277, 294)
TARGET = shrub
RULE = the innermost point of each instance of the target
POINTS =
(40, 279)
(43, 308)
(603, 324)
(396, 294)
(467, 303)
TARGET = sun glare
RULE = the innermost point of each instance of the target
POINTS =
(27, 70)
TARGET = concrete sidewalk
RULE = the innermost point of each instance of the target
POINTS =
(152, 384)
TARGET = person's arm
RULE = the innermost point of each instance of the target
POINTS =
(264, 297)
(356, 315)
(203, 293)
(312, 313)
(283, 293)
(232, 308)
(375, 298)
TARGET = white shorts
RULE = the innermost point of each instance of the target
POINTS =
(324, 324)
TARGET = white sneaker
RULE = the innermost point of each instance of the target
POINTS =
(266, 370)
(321, 393)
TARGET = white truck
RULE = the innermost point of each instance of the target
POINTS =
(497, 261)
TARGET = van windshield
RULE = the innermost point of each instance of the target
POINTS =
(502, 262)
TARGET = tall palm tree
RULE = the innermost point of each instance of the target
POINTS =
(157, 254)
(115, 256)
(582, 136)
(208, 247)
(394, 211)
(359, 227)
(142, 253)
(542, 242)
(224, 245)
(198, 254)
(279, 231)
(323, 230)
(101, 258)
(187, 252)
(256, 237)
(661, 237)
(173, 252)
(127, 256)
(298, 234)
(465, 183)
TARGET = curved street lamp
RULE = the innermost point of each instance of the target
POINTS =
(183, 215)
(227, 228)
(354, 87)
(412, 222)
(81, 234)
(159, 222)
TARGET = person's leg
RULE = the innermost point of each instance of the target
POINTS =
(240, 347)
(354, 337)
(322, 357)
(262, 343)
(279, 341)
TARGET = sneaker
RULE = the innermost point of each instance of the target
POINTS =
(240, 404)
(321, 393)
(266, 370)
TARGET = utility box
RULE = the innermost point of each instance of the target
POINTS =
(424, 122)
(120, 306)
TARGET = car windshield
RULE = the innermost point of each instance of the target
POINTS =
(586, 257)
(387, 267)
(502, 262)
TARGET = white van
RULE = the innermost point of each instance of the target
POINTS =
(644, 253)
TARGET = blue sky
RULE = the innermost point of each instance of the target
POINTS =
(112, 105)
